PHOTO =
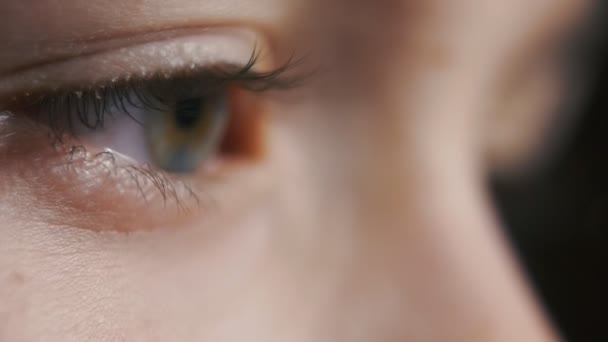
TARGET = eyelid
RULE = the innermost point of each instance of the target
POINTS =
(55, 52)
(212, 46)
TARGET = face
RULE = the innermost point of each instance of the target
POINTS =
(274, 170)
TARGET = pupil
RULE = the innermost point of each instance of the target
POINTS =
(187, 112)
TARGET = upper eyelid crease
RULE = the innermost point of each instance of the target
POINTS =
(286, 76)
(97, 45)
(187, 53)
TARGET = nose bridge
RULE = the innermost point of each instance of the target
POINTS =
(426, 224)
(423, 215)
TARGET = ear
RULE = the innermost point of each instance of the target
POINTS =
(520, 122)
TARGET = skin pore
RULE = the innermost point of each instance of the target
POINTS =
(365, 219)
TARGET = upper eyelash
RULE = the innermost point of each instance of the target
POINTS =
(118, 94)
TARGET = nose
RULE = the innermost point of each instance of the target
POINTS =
(429, 246)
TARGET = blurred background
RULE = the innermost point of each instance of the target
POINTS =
(558, 215)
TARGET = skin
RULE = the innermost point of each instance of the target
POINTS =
(367, 217)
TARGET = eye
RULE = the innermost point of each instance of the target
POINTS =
(174, 126)
(131, 145)
(172, 123)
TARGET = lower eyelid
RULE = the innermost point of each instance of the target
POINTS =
(89, 190)
(104, 192)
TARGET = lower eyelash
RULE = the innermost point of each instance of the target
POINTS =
(108, 191)
(173, 191)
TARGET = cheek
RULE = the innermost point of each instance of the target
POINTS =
(269, 270)
(57, 282)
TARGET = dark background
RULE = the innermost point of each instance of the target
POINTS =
(558, 218)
